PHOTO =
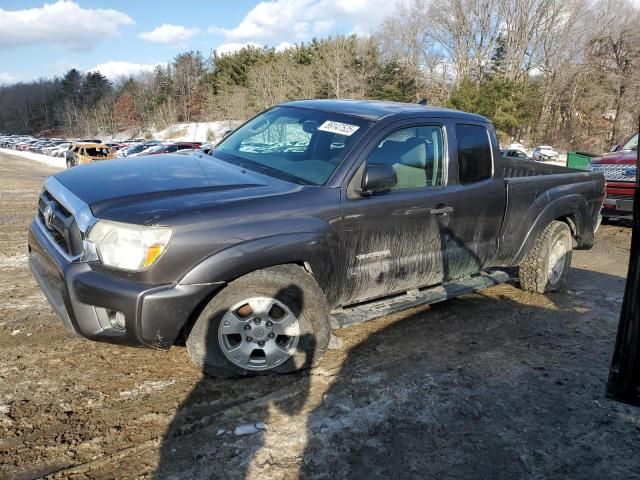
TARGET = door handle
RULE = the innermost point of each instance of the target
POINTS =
(441, 210)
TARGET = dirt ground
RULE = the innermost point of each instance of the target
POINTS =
(500, 384)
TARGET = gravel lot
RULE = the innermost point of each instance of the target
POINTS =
(500, 384)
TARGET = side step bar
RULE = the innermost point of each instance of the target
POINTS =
(345, 317)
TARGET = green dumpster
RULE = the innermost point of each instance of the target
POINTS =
(579, 160)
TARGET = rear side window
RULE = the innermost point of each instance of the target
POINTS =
(474, 153)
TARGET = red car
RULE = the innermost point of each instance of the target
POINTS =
(171, 148)
(619, 169)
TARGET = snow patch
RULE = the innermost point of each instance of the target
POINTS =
(196, 131)
(249, 428)
(46, 159)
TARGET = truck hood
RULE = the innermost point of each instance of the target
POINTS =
(146, 190)
(620, 157)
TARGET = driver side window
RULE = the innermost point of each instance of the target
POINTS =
(416, 155)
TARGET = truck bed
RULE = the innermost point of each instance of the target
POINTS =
(535, 193)
(525, 168)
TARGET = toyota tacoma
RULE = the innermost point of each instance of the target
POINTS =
(311, 216)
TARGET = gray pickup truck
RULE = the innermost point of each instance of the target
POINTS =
(311, 216)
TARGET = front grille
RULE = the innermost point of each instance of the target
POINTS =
(61, 226)
(614, 172)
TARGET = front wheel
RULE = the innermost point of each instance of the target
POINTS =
(273, 320)
(546, 267)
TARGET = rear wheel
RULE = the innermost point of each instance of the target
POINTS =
(273, 320)
(546, 267)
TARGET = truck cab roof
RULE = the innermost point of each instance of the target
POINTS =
(376, 110)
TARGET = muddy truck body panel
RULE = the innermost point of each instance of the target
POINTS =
(130, 251)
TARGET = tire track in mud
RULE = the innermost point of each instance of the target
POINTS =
(222, 417)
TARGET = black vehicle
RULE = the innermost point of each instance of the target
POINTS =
(515, 154)
(312, 216)
(135, 148)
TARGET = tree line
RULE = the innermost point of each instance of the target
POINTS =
(564, 72)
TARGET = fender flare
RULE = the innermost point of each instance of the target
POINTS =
(240, 259)
(574, 210)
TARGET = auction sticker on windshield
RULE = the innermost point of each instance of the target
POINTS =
(338, 127)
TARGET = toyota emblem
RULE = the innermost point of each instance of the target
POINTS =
(48, 215)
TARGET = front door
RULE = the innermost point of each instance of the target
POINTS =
(391, 242)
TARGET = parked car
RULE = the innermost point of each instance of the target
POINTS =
(514, 154)
(170, 148)
(256, 253)
(135, 148)
(544, 153)
(60, 149)
(83, 153)
(518, 146)
(619, 170)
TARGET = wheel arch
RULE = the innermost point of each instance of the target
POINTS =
(307, 250)
(572, 210)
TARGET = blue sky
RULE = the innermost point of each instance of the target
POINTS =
(44, 39)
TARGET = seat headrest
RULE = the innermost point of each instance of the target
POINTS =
(415, 154)
(412, 152)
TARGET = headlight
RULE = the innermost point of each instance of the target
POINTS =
(128, 247)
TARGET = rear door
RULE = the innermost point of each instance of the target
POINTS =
(477, 201)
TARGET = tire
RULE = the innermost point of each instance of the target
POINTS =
(229, 324)
(547, 265)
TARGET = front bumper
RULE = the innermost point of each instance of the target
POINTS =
(619, 199)
(617, 207)
(83, 298)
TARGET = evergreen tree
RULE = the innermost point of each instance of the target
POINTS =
(95, 86)
(72, 86)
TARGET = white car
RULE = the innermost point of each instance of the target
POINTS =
(543, 153)
(60, 150)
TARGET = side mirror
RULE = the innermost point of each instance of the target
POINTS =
(615, 148)
(378, 179)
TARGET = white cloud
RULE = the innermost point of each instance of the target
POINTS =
(116, 69)
(282, 46)
(167, 33)
(233, 47)
(277, 21)
(7, 78)
(63, 22)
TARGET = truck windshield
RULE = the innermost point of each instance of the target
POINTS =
(300, 145)
(632, 144)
